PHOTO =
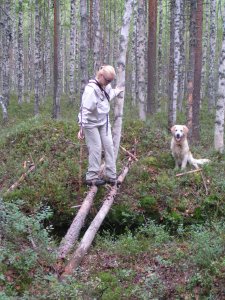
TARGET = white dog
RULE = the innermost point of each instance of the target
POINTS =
(180, 149)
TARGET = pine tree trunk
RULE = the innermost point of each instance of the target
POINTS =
(151, 105)
(197, 72)
(190, 71)
(121, 63)
(220, 106)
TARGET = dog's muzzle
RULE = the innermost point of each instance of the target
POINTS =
(178, 136)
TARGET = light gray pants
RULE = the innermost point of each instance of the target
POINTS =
(97, 138)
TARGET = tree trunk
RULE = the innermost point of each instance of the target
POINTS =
(4, 110)
(37, 60)
(73, 232)
(92, 230)
(197, 72)
(141, 66)
(121, 63)
(56, 97)
(97, 35)
(151, 105)
(83, 45)
(211, 78)
(6, 43)
(190, 71)
(20, 73)
(220, 107)
(171, 65)
(205, 52)
(72, 50)
(176, 60)
(160, 55)
(182, 63)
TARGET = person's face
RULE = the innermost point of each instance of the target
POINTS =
(105, 80)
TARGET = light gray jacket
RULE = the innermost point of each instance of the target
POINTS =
(95, 106)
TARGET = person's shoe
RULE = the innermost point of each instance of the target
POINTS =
(96, 182)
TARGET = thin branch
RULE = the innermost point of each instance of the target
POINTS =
(188, 172)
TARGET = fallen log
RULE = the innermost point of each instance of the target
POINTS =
(73, 232)
(93, 228)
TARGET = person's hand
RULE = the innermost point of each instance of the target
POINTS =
(119, 90)
(80, 134)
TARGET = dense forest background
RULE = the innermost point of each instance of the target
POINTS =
(163, 238)
(172, 57)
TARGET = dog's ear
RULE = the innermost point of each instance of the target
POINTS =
(173, 128)
(185, 129)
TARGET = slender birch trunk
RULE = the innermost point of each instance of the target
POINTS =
(72, 50)
(220, 106)
(141, 66)
(182, 62)
(171, 116)
(190, 71)
(37, 59)
(97, 35)
(83, 45)
(134, 63)
(48, 53)
(211, 78)
(6, 44)
(30, 57)
(176, 59)
(160, 54)
(20, 73)
(4, 110)
(205, 52)
(56, 98)
(121, 63)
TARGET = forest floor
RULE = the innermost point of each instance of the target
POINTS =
(162, 239)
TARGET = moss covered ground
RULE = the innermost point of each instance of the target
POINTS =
(162, 239)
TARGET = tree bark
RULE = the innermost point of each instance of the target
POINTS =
(197, 72)
(121, 63)
(151, 105)
(20, 73)
(141, 66)
(211, 78)
(92, 230)
(73, 232)
(56, 97)
(220, 107)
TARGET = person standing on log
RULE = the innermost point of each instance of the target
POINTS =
(95, 126)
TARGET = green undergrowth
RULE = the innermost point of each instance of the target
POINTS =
(162, 239)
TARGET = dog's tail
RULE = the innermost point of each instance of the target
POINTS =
(196, 162)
